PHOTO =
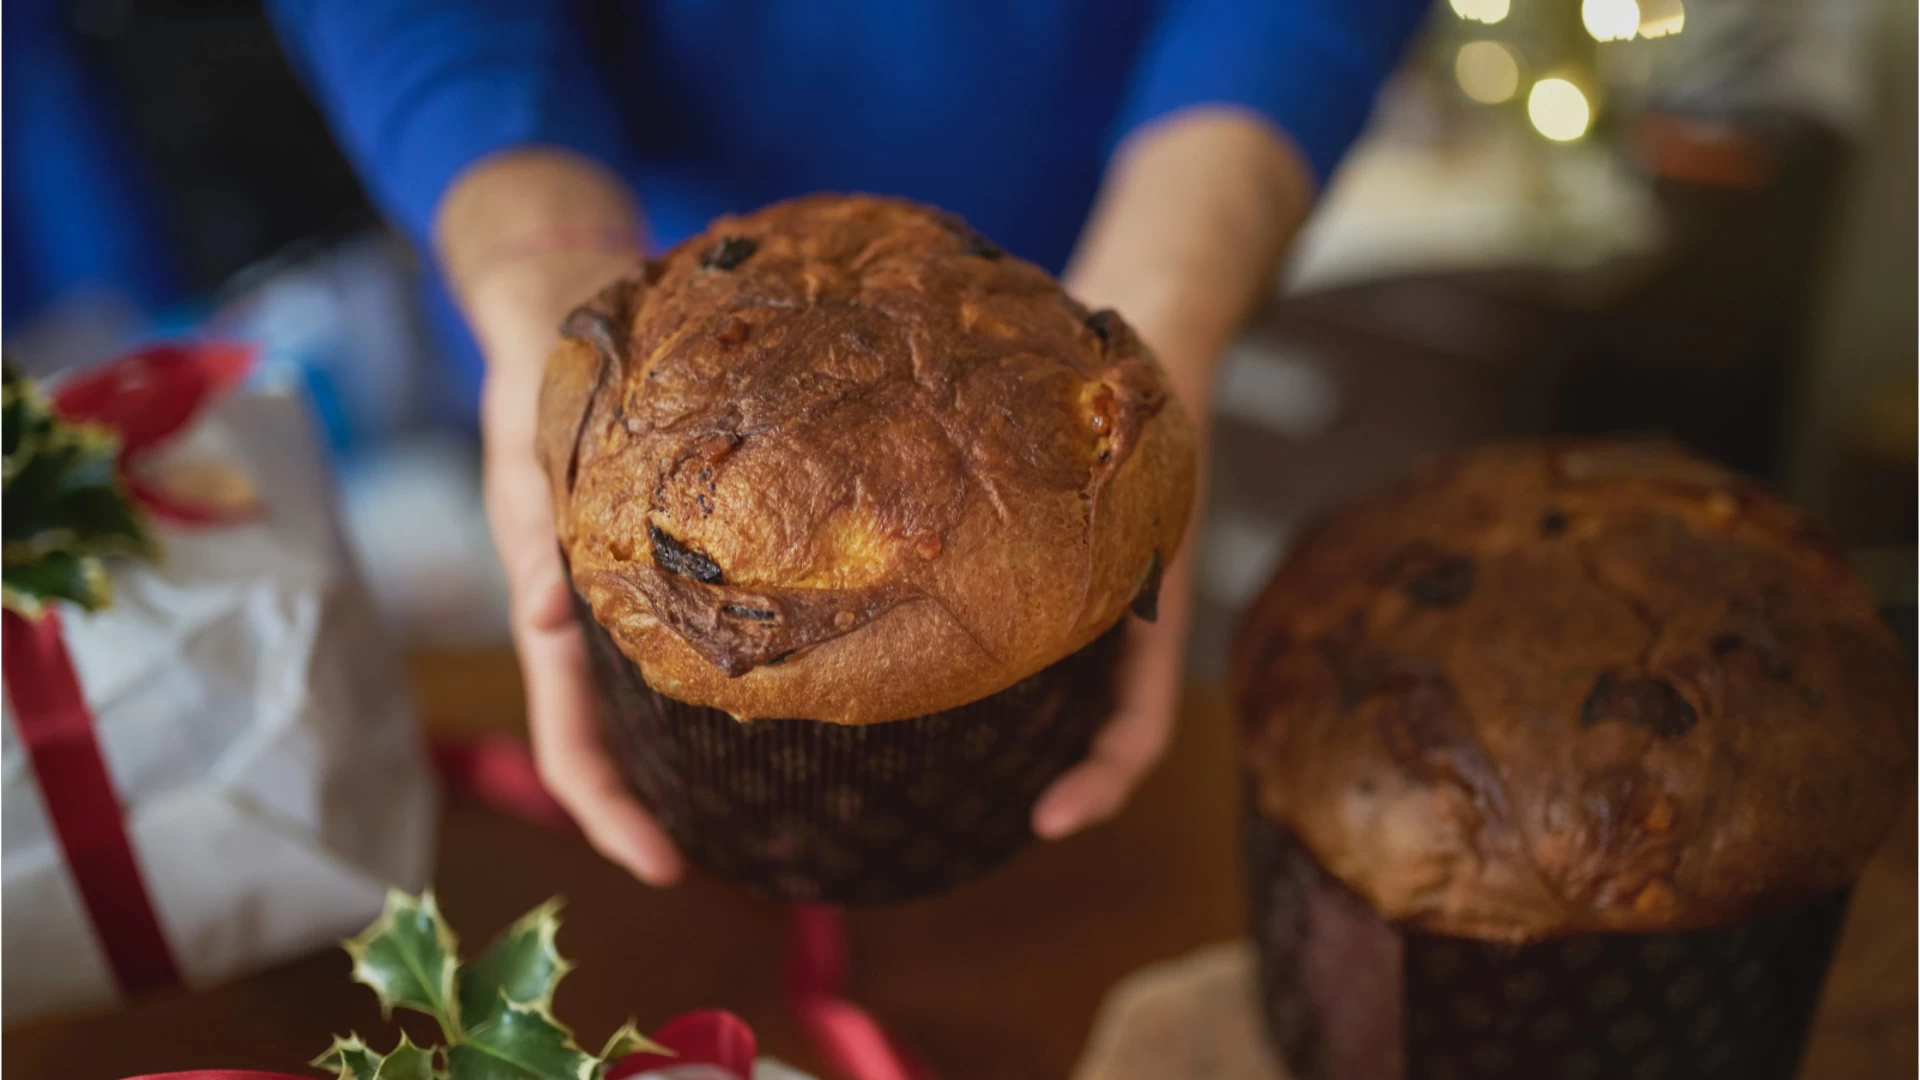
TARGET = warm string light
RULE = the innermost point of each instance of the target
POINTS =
(1559, 110)
(1622, 20)
(1562, 107)
(1482, 11)
(1487, 72)
(1611, 20)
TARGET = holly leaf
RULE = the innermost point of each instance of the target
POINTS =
(406, 1062)
(27, 586)
(522, 1042)
(351, 1059)
(409, 956)
(64, 509)
(628, 1040)
(25, 419)
(521, 965)
(67, 494)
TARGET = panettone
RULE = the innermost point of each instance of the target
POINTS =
(1560, 687)
(842, 459)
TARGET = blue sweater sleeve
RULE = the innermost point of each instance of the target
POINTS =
(1312, 67)
(417, 90)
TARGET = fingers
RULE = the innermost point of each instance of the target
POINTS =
(1128, 747)
(1148, 704)
(1098, 787)
(518, 508)
(561, 709)
(573, 761)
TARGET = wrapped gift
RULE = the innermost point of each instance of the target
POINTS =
(210, 763)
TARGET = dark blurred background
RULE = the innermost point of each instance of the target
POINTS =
(1591, 216)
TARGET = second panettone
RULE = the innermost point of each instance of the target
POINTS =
(1562, 757)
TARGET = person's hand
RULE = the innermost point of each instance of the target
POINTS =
(561, 706)
(1152, 663)
(1193, 215)
(1146, 707)
(524, 238)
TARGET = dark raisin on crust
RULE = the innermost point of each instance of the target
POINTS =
(1553, 523)
(1725, 645)
(728, 252)
(972, 240)
(1649, 702)
(1444, 584)
(742, 611)
(677, 558)
(1101, 323)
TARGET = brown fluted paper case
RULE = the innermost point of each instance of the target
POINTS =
(1348, 995)
(812, 812)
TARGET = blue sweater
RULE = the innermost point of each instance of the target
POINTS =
(1002, 110)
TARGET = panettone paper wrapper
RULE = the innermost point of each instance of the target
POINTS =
(256, 730)
(1351, 996)
(811, 812)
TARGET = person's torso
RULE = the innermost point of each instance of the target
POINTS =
(1000, 110)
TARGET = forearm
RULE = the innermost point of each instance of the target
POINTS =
(524, 236)
(1187, 235)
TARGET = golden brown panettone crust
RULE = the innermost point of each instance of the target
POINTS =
(842, 459)
(1555, 687)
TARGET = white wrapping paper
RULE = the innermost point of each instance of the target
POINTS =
(256, 729)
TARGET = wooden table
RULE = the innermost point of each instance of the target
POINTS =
(999, 979)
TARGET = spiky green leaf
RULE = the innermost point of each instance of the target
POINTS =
(29, 585)
(349, 1059)
(522, 965)
(522, 1042)
(65, 507)
(406, 1062)
(352, 1059)
(24, 419)
(409, 956)
(628, 1040)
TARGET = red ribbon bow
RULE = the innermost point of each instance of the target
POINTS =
(144, 398)
(148, 397)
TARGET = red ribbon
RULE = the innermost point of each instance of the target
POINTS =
(144, 398)
(220, 1074)
(148, 397)
(706, 1037)
(57, 731)
(846, 1036)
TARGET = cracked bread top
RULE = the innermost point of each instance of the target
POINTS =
(842, 459)
(1546, 688)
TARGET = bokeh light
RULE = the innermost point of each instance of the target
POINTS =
(1559, 110)
(1487, 72)
(1611, 20)
(1485, 11)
